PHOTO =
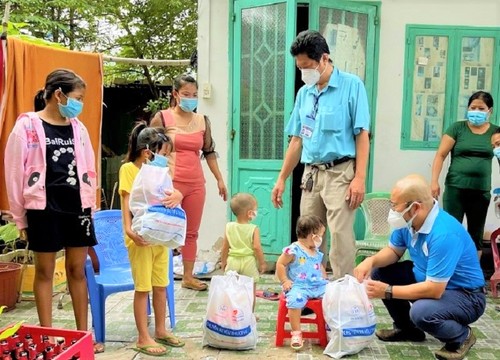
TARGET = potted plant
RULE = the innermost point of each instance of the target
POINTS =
(14, 250)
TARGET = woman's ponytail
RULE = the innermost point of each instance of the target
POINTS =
(133, 151)
(39, 100)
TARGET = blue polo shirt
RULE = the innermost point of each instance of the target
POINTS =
(328, 121)
(442, 251)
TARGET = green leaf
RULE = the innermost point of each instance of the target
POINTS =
(11, 330)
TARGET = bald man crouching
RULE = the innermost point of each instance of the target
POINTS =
(443, 283)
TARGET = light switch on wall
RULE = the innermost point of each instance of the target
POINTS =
(207, 90)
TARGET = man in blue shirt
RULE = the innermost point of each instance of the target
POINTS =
(444, 281)
(329, 133)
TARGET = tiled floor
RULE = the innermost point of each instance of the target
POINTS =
(190, 310)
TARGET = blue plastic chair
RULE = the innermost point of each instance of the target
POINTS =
(114, 272)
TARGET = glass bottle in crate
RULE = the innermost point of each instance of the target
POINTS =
(18, 349)
(23, 355)
(58, 348)
(49, 353)
(28, 340)
(13, 340)
(32, 351)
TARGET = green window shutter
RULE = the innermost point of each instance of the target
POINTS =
(444, 66)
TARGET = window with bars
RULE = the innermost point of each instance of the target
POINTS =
(262, 93)
(444, 66)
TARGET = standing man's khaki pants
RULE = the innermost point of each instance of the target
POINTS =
(327, 199)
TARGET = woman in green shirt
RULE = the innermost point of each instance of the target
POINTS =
(468, 182)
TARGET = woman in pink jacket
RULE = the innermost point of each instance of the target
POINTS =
(51, 186)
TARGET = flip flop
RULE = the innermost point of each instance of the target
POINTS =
(147, 350)
(268, 295)
(170, 340)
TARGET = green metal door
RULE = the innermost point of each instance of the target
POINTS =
(262, 99)
(350, 29)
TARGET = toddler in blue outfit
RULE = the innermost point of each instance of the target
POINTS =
(301, 273)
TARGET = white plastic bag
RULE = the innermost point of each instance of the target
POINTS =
(230, 322)
(349, 315)
(156, 223)
(201, 265)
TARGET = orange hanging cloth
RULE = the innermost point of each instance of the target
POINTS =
(27, 68)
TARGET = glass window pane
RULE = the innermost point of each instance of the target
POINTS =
(476, 69)
(262, 87)
(345, 32)
(429, 85)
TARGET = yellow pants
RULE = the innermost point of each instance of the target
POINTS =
(243, 265)
(149, 266)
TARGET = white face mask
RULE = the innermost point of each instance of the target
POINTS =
(310, 77)
(396, 219)
(318, 241)
(254, 215)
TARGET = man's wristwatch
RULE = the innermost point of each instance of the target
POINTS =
(388, 292)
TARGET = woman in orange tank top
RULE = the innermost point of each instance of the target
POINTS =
(192, 138)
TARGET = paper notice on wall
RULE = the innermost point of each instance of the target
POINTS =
(346, 48)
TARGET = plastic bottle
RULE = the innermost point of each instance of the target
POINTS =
(496, 201)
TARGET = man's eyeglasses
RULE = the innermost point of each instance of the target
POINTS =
(408, 203)
(314, 112)
(393, 204)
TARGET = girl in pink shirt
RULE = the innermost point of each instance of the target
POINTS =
(51, 188)
(192, 138)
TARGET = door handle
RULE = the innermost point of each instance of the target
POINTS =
(233, 134)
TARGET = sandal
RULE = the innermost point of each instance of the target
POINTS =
(296, 342)
(267, 294)
(98, 348)
(194, 284)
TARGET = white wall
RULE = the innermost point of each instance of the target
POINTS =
(390, 162)
(213, 69)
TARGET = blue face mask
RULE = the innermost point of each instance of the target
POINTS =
(72, 109)
(477, 118)
(159, 160)
(496, 152)
(188, 104)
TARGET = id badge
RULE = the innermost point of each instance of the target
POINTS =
(306, 131)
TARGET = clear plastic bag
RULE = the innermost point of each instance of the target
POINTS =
(156, 223)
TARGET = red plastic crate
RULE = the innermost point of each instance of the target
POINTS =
(84, 346)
